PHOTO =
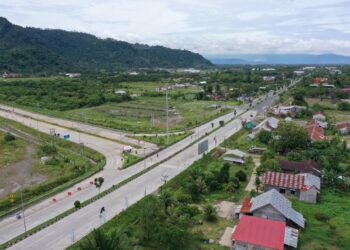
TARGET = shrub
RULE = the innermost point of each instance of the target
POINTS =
(49, 149)
(322, 217)
(264, 136)
(9, 137)
(210, 213)
(77, 204)
(222, 123)
(241, 175)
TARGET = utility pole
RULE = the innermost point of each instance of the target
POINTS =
(167, 115)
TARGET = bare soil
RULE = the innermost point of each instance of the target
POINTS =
(19, 174)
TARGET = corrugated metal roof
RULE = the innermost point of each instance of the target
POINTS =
(280, 203)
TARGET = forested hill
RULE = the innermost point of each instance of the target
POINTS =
(39, 50)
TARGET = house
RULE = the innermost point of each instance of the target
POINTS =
(346, 90)
(306, 187)
(274, 206)
(120, 92)
(316, 130)
(299, 72)
(329, 86)
(234, 156)
(319, 116)
(320, 80)
(300, 167)
(268, 124)
(269, 78)
(202, 82)
(73, 75)
(254, 233)
(10, 75)
(344, 127)
(249, 125)
(133, 73)
(309, 68)
(286, 110)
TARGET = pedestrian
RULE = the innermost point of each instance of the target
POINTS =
(102, 210)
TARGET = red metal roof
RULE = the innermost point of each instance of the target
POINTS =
(246, 205)
(316, 133)
(284, 180)
(260, 232)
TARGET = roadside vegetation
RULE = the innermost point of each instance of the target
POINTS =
(183, 215)
(44, 164)
(161, 140)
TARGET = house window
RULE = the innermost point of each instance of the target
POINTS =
(292, 191)
(282, 191)
(241, 246)
(258, 248)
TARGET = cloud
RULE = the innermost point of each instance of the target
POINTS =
(208, 27)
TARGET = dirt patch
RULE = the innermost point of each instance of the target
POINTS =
(225, 209)
(19, 174)
(225, 239)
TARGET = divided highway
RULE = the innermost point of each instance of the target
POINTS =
(58, 235)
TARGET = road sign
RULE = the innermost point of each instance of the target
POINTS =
(66, 137)
(203, 147)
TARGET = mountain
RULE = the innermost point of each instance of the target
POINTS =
(38, 50)
(281, 59)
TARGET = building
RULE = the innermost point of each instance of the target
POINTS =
(346, 90)
(73, 75)
(299, 72)
(344, 127)
(235, 156)
(306, 187)
(319, 116)
(287, 110)
(315, 130)
(120, 92)
(269, 78)
(10, 75)
(254, 233)
(300, 167)
(268, 124)
(274, 206)
(320, 80)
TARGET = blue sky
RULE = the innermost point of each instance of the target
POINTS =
(216, 27)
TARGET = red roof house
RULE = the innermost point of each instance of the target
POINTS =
(305, 186)
(259, 232)
(316, 133)
(346, 90)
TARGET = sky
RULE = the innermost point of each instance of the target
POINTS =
(209, 27)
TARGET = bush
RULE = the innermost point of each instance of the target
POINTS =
(222, 123)
(241, 175)
(49, 149)
(264, 136)
(210, 213)
(322, 217)
(344, 106)
(9, 137)
(77, 204)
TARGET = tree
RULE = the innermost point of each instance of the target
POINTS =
(289, 136)
(268, 165)
(77, 204)
(224, 173)
(241, 175)
(9, 137)
(117, 240)
(264, 136)
(210, 213)
(166, 198)
(98, 183)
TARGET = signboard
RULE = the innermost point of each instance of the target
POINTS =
(202, 147)
(66, 137)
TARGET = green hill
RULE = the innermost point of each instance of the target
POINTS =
(38, 50)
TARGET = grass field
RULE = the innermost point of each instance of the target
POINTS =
(327, 222)
(240, 141)
(11, 152)
(130, 159)
(325, 103)
(147, 114)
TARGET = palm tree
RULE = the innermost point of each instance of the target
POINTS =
(117, 240)
(167, 199)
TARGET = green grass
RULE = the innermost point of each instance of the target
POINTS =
(130, 159)
(240, 141)
(161, 139)
(332, 234)
(12, 151)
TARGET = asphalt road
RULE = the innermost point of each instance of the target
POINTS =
(58, 236)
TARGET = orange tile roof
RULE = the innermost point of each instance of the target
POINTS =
(246, 205)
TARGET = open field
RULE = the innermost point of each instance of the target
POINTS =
(327, 222)
(147, 114)
(64, 161)
(325, 103)
(240, 141)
